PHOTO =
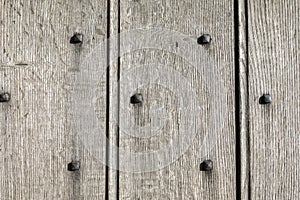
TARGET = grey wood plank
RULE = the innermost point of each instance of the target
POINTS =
(113, 100)
(39, 66)
(274, 129)
(243, 99)
(156, 124)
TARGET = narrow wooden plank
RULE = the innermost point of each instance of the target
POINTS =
(274, 129)
(39, 67)
(244, 160)
(113, 65)
(165, 65)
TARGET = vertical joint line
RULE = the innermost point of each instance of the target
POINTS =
(248, 106)
(242, 99)
(118, 108)
(107, 153)
(237, 99)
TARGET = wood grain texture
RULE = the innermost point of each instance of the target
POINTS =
(242, 42)
(38, 66)
(113, 65)
(274, 129)
(182, 178)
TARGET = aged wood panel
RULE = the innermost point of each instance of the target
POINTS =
(113, 44)
(152, 63)
(274, 129)
(243, 106)
(38, 127)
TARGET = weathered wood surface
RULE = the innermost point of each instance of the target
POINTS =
(274, 68)
(58, 108)
(38, 67)
(242, 91)
(182, 178)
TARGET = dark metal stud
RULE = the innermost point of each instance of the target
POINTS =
(206, 165)
(136, 99)
(4, 97)
(265, 99)
(77, 38)
(204, 39)
(74, 166)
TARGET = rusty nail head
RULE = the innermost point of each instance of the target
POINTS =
(136, 98)
(77, 38)
(206, 165)
(265, 99)
(74, 166)
(4, 97)
(204, 39)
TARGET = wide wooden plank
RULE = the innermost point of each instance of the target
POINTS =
(39, 132)
(274, 69)
(164, 140)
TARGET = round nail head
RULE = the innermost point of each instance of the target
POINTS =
(74, 166)
(4, 97)
(265, 99)
(77, 38)
(136, 99)
(206, 165)
(204, 39)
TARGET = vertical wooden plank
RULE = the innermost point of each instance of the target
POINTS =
(113, 132)
(39, 67)
(156, 124)
(274, 129)
(243, 122)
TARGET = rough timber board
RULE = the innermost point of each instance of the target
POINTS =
(38, 67)
(274, 68)
(181, 179)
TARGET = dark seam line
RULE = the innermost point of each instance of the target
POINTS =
(118, 79)
(247, 105)
(107, 103)
(237, 100)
